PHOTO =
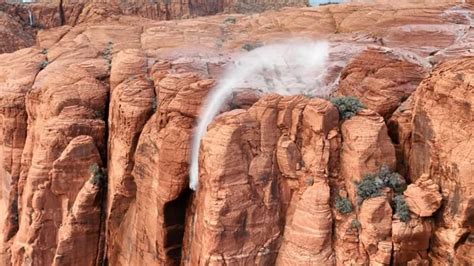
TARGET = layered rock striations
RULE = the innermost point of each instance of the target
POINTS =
(96, 122)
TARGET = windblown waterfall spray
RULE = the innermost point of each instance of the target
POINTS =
(289, 68)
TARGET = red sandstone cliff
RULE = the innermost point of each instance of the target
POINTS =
(96, 121)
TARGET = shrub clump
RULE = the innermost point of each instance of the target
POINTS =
(369, 187)
(230, 20)
(43, 64)
(107, 54)
(355, 224)
(371, 184)
(348, 106)
(392, 180)
(251, 46)
(343, 205)
(401, 208)
(98, 175)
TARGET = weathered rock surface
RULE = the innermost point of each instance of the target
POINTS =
(376, 229)
(381, 79)
(411, 241)
(13, 35)
(17, 75)
(366, 147)
(441, 149)
(423, 197)
(125, 92)
(307, 240)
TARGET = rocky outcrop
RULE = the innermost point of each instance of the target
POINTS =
(160, 169)
(17, 75)
(130, 107)
(376, 229)
(366, 147)
(13, 35)
(125, 93)
(440, 149)
(244, 226)
(77, 182)
(381, 79)
(307, 239)
(411, 241)
(423, 197)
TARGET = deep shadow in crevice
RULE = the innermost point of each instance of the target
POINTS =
(174, 224)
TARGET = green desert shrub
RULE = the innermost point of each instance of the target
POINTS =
(107, 54)
(369, 187)
(392, 180)
(348, 106)
(401, 208)
(371, 184)
(343, 205)
(230, 20)
(43, 64)
(251, 46)
(355, 224)
(98, 175)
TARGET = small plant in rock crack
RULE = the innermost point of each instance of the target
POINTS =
(401, 208)
(355, 224)
(230, 20)
(107, 54)
(369, 187)
(348, 106)
(251, 46)
(43, 64)
(44, 51)
(343, 205)
(392, 180)
(98, 175)
(154, 104)
(371, 184)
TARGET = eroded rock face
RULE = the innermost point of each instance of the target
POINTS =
(126, 95)
(381, 79)
(307, 239)
(411, 241)
(245, 225)
(159, 169)
(423, 197)
(448, 163)
(13, 35)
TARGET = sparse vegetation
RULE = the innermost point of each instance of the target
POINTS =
(401, 208)
(348, 106)
(107, 54)
(371, 184)
(98, 175)
(43, 64)
(355, 224)
(230, 20)
(369, 187)
(251, 46)
(154, 104)
(343, 205)
(392, 180)
(309, 181)
(44, 51)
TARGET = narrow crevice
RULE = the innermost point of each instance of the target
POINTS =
(101, 258)
(62, 19)
(174, 224)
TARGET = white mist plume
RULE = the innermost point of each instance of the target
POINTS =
(293, 67)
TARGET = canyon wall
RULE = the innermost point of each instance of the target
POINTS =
(96, 121)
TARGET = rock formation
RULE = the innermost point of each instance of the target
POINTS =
(96, 121)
